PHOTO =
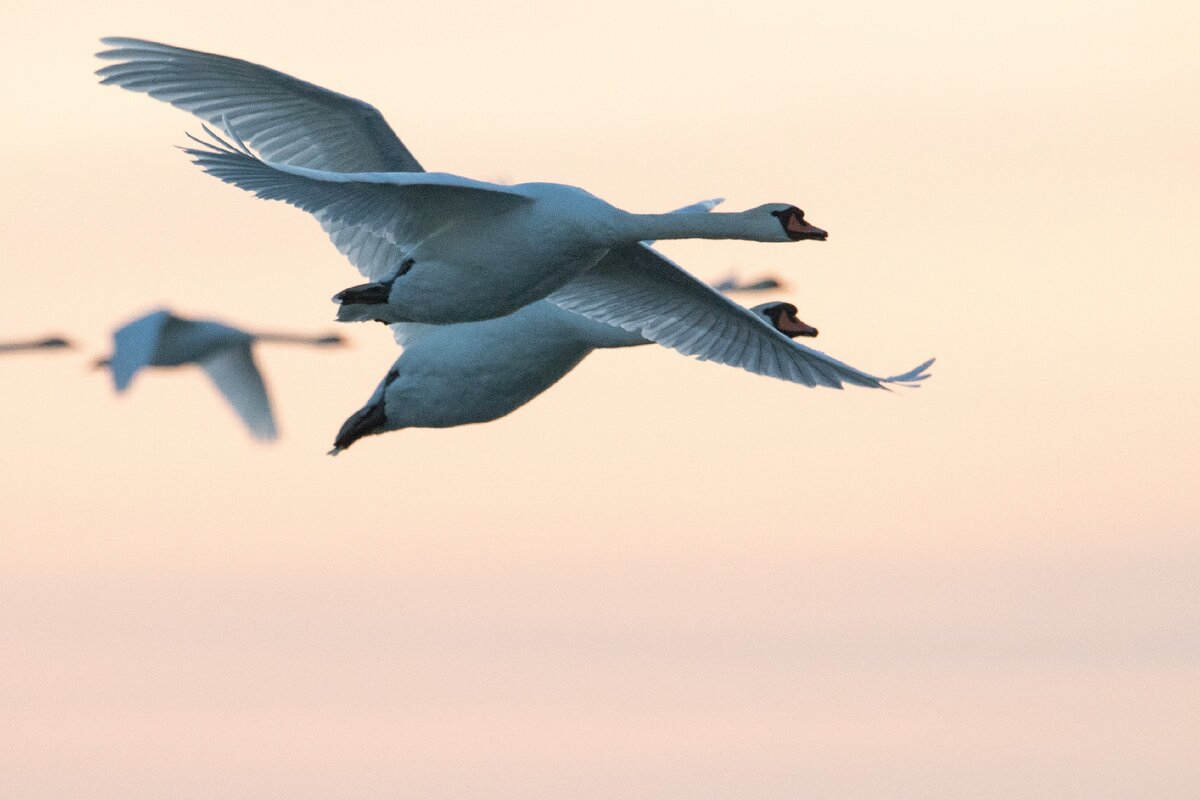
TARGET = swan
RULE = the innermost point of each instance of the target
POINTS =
(337, 157)
(470, 372)
(163, 339)
(470, 250)
(50, 343)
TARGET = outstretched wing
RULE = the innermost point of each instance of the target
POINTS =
(134, 346)
(638, 289)
(237, 377)
(403, 207)
(289, 121)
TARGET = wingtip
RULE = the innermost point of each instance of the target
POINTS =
(911, 378)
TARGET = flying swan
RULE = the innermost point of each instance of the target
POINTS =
(439, 248)
(162, 339)
(470, 372)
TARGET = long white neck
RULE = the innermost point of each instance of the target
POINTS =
(630, 228)
(291, 338)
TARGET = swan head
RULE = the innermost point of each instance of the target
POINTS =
(782, 317)
(786, 223)
(53, 342)
(369, 420)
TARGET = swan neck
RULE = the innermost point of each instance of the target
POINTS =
(688, 225)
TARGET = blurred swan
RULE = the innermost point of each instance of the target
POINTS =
(451, 375)
(337, 158)
(162, 339)
(51, 343)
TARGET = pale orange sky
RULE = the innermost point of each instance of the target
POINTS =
(662, 579)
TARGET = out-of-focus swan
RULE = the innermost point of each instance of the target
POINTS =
(49, 343)
(162, 339)
(336, 157)
(452, 375)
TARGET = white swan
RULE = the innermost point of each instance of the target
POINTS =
(162, 339)
(49, 343)
(468, 250)
(470, 372)
(386, 219)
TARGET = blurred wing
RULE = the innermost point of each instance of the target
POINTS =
(735, 284)
(134, 346)
(289, 121)
(403, 207)
(642, 291)
(237, 377)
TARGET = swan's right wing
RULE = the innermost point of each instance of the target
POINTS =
(237, 377)
(289, 121)
(134, 346)
(638, 289)
(402, 207)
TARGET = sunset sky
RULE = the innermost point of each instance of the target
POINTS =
(662, 579)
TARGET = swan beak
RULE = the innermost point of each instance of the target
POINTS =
(797, 229)
(794, 326)
(363, 422)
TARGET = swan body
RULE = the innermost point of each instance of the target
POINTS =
(450, 375)
(49, 343)
(162, 339)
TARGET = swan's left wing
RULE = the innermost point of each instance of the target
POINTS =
(638, 289)
(403, 207)
(288, 120)
(237, 377)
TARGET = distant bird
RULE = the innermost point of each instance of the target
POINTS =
(162, 339)
(451, 375)
(51, 343)
(440, 248)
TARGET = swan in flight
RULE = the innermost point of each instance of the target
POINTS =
(162, 339)
(50, 343)
(469, 250)
(495, 248)
(471, 372)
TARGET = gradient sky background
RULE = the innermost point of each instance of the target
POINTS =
(663, 579)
